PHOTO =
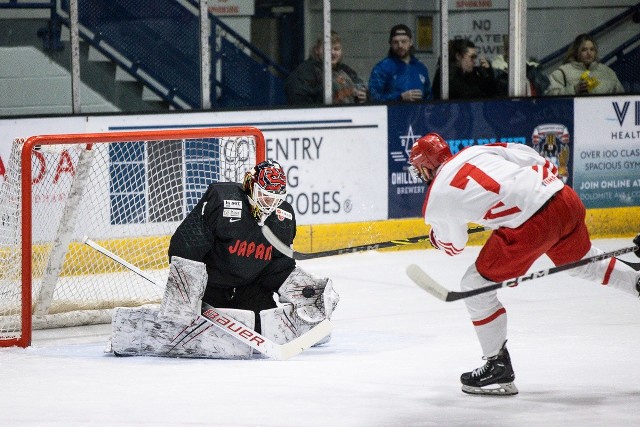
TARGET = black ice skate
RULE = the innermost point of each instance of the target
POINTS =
(494, 378)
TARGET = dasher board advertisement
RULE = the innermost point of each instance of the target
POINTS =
(335, 158)
(607, 151)
(544, 124)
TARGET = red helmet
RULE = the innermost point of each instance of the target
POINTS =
(266, 186)
(427, 154)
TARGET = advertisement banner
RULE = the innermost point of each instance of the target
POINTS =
(607, 151)
(545, 124)
(335, 158)
(11, 129)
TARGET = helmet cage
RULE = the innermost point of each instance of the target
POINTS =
(266, 188)
(422, 173)
(264, 202)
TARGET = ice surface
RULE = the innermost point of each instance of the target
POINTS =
(394, 360)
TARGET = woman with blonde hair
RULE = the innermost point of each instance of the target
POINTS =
(581, 73)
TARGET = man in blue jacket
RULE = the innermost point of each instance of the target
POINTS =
(400, 76)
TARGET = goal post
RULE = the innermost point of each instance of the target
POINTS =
(126, 190)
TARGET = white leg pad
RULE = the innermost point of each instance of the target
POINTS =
(145, 331)
(281, 325)
(185, 287)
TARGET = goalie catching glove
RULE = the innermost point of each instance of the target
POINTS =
(313, 298)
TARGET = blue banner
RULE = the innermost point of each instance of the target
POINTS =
(545, 124)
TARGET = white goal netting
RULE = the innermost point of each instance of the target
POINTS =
(128, 196)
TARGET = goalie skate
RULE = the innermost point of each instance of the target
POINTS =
(495, 378)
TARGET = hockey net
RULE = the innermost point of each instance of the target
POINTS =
(127, 191)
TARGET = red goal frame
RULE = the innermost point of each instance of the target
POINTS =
(24, 340)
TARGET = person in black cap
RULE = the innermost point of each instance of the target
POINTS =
(400, 76)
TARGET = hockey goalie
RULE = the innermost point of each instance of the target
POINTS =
(219, 255)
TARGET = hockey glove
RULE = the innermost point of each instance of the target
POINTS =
(313, 299)
(636, 241)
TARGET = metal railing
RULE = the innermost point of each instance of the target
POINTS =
(157, 42)
(607, 26)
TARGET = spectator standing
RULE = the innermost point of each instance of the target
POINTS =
(466, 80)
(305, 85)
(581, 73)
(400, 76)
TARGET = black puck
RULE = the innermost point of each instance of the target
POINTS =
(308, 292)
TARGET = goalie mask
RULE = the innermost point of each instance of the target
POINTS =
(266, 186)
(427, 154)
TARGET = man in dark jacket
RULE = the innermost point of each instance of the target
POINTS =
(305, 84)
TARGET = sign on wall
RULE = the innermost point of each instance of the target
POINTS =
(230, 7)
(335, 158)
(485, 28)
(349, 164)
(545, 124)
(607, 156)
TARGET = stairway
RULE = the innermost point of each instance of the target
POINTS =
(114, 84)
(35, 80)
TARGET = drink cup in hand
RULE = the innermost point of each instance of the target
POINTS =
(416, 94)
(360, 92)
(412, 95)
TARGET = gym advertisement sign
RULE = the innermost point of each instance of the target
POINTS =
(607, 151)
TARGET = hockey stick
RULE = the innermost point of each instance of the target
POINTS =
(634, 265)
(287, 251)
(234, 328)
(427, 283)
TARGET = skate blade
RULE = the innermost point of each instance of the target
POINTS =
(503, 389)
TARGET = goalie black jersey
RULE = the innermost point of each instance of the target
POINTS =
(221, 232)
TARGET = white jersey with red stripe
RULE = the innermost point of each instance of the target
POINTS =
(494, 185)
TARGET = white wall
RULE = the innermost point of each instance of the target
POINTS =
(30, 83)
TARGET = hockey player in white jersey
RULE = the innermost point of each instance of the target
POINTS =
(512, 190)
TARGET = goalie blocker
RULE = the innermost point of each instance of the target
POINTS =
(175, 328)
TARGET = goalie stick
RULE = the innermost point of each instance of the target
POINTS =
(291, 253)
(230, 326)
(427, 283)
